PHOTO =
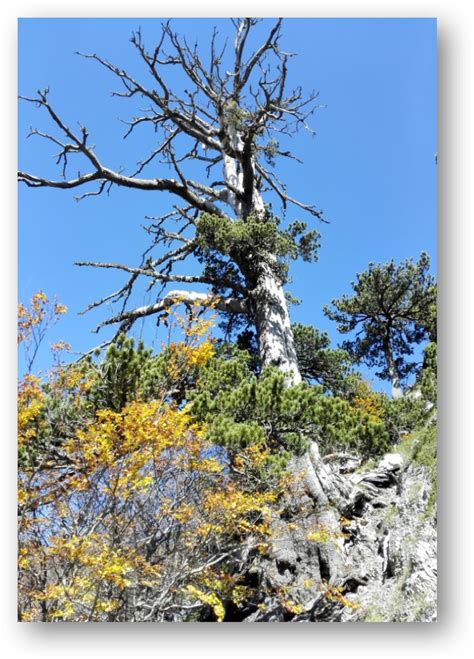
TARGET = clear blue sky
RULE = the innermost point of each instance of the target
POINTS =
(371, 166)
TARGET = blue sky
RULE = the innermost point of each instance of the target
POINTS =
(370, 167)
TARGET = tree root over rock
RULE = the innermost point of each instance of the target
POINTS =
(358, 546)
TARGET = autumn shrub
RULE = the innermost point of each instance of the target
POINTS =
(131, 512)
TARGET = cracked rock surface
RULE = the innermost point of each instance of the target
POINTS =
(374, 556)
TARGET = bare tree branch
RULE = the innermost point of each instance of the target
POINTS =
(270, 44)
(151, 272)
(285, 198)
(229, 305)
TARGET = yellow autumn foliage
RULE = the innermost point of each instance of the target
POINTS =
(210, 599)
(369, 402)
(138, 502)
(30, 406)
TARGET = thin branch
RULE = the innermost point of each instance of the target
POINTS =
(285, 198)
(167, 278)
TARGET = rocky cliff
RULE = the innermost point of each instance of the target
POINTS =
(379, 565)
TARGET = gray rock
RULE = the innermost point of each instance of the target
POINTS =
(378, 561)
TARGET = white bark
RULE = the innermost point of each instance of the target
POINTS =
(227, 304)
(272, 320)
(232, 172)
(397, 391)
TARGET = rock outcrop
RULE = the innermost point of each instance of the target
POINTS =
(379, 565)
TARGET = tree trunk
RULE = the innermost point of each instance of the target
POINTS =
(272, 322)
(270, 309)
(397, 391)
(320, 490)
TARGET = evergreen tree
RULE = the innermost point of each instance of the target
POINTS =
(318, 362)
(391, 311)
(241, 410)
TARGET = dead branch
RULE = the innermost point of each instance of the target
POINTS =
(149, 271)
(228, 305)
(222, 118)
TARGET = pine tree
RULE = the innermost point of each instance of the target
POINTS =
(318, 362)
(231, 115)
(392, 309)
